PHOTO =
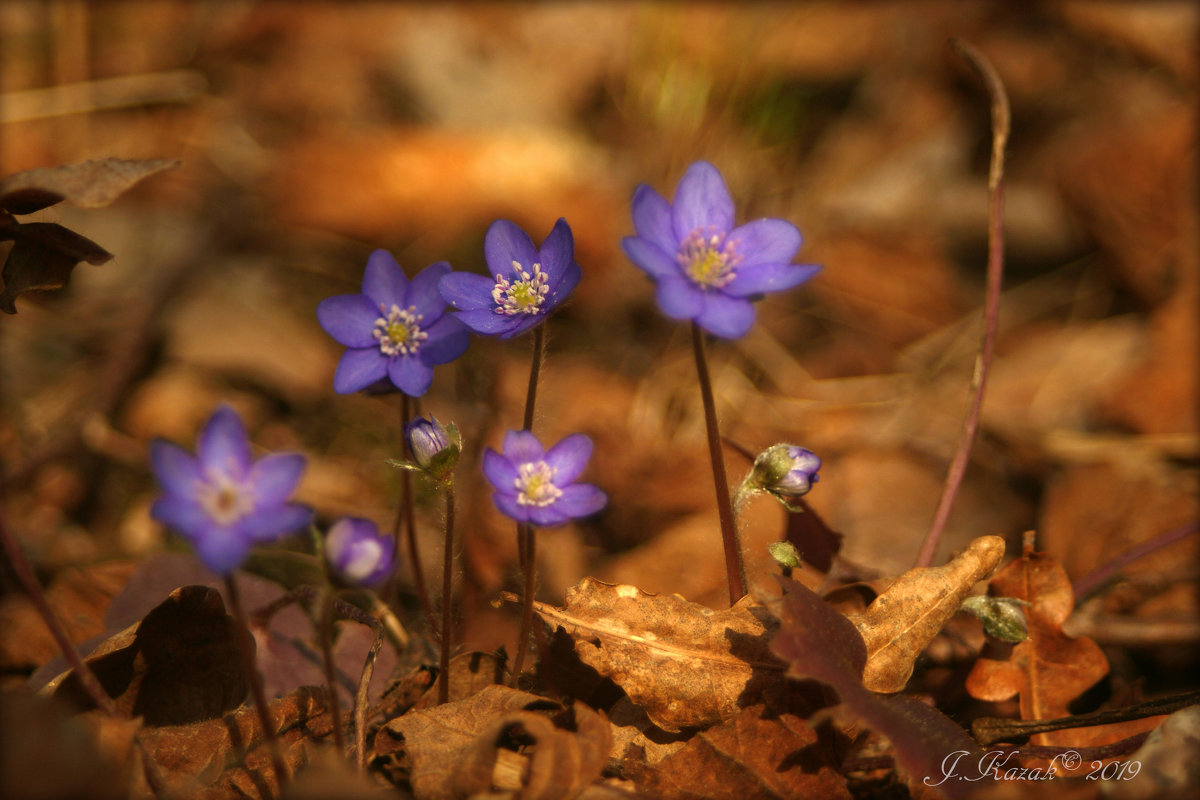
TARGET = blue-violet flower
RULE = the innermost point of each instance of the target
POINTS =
(527, 283)
(357, 553)
(395, 330)
(222, 501)
(706, 269)
(536, 485)
(791, 470)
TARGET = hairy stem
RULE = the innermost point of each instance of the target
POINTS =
(407, 514)
(325, 635)
(1092, 582)
(525, 533)
(733, 552)
(246, 653)
(447, 577)
(991, 309)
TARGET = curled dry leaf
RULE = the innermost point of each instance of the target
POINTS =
(44, 253)
(177, 665)
(88, 184)
(500, 738)
(1049, 669)
(898, 625)
(685, 664)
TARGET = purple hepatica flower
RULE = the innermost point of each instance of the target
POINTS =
(801, 472)
(222, 501)
(396, 330)
(538, 486)
(706, 269)
(527, 283)
(358, 554)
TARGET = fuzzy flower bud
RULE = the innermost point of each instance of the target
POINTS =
(1003, 618)
(357, 553)
(435, 448)
(786, 471)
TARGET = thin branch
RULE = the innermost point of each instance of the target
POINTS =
(991, 312)
(988, 730)
(1098, 577)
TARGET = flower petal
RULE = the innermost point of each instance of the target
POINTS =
(569, 457)
(581, 500)
(649, 257)
(448, 340)
(766, 241)
(270, 524)
(522, 447)
(467, 291)
(221, 549)
(652, 218)
(724, 316)
(349, 319)
(177, 471)
(679, 298)
(423, 294)
(561, 286)
(487, 322)
(506, 243)
(558, 251)
(547, 516)
(524, 322)
(410, 375)
(383, 281)
(701, 202)
(358, 369)
(500, 471)
(222, 445)
(508, 505)
(763, 278)
(274, 477)
(180, 513)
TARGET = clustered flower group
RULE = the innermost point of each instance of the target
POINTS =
(706, 269)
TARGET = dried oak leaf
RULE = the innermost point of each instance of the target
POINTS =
(1049, 669)
(221, 758)
(44, 253)
(901, 622)
(819, 643)
(754, 754)
(685, 664)
(178, 665)
(500, 738)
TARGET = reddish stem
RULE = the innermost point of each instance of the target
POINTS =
(991, 310)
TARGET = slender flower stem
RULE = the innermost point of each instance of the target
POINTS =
(525, 533)
(991, 308)
(256, 687)
(325, 635)
(733, 552)
(407, 514)
(1091, 582)
(447, 577)
(83, 673)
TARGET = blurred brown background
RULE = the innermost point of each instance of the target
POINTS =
(314, 133)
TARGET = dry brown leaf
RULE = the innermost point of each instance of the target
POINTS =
(178, 665)
(685, 664)
(88, 184)
(1049, 669)
(468, 747)
(899, 624)
(755, 754)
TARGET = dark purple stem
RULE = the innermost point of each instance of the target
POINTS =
(447, 578)
(1102, 574)
(526, 545)
(991, 310)
(734, 570)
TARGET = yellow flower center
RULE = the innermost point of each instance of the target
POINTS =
(525, 295)
(397, 331)
(535, 484)
(708, 260)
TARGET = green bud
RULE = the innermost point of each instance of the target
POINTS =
(1002, 617)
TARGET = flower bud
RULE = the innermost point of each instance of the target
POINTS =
(786, 471)
(357, 553)
(435, 448)
(1002, 617)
